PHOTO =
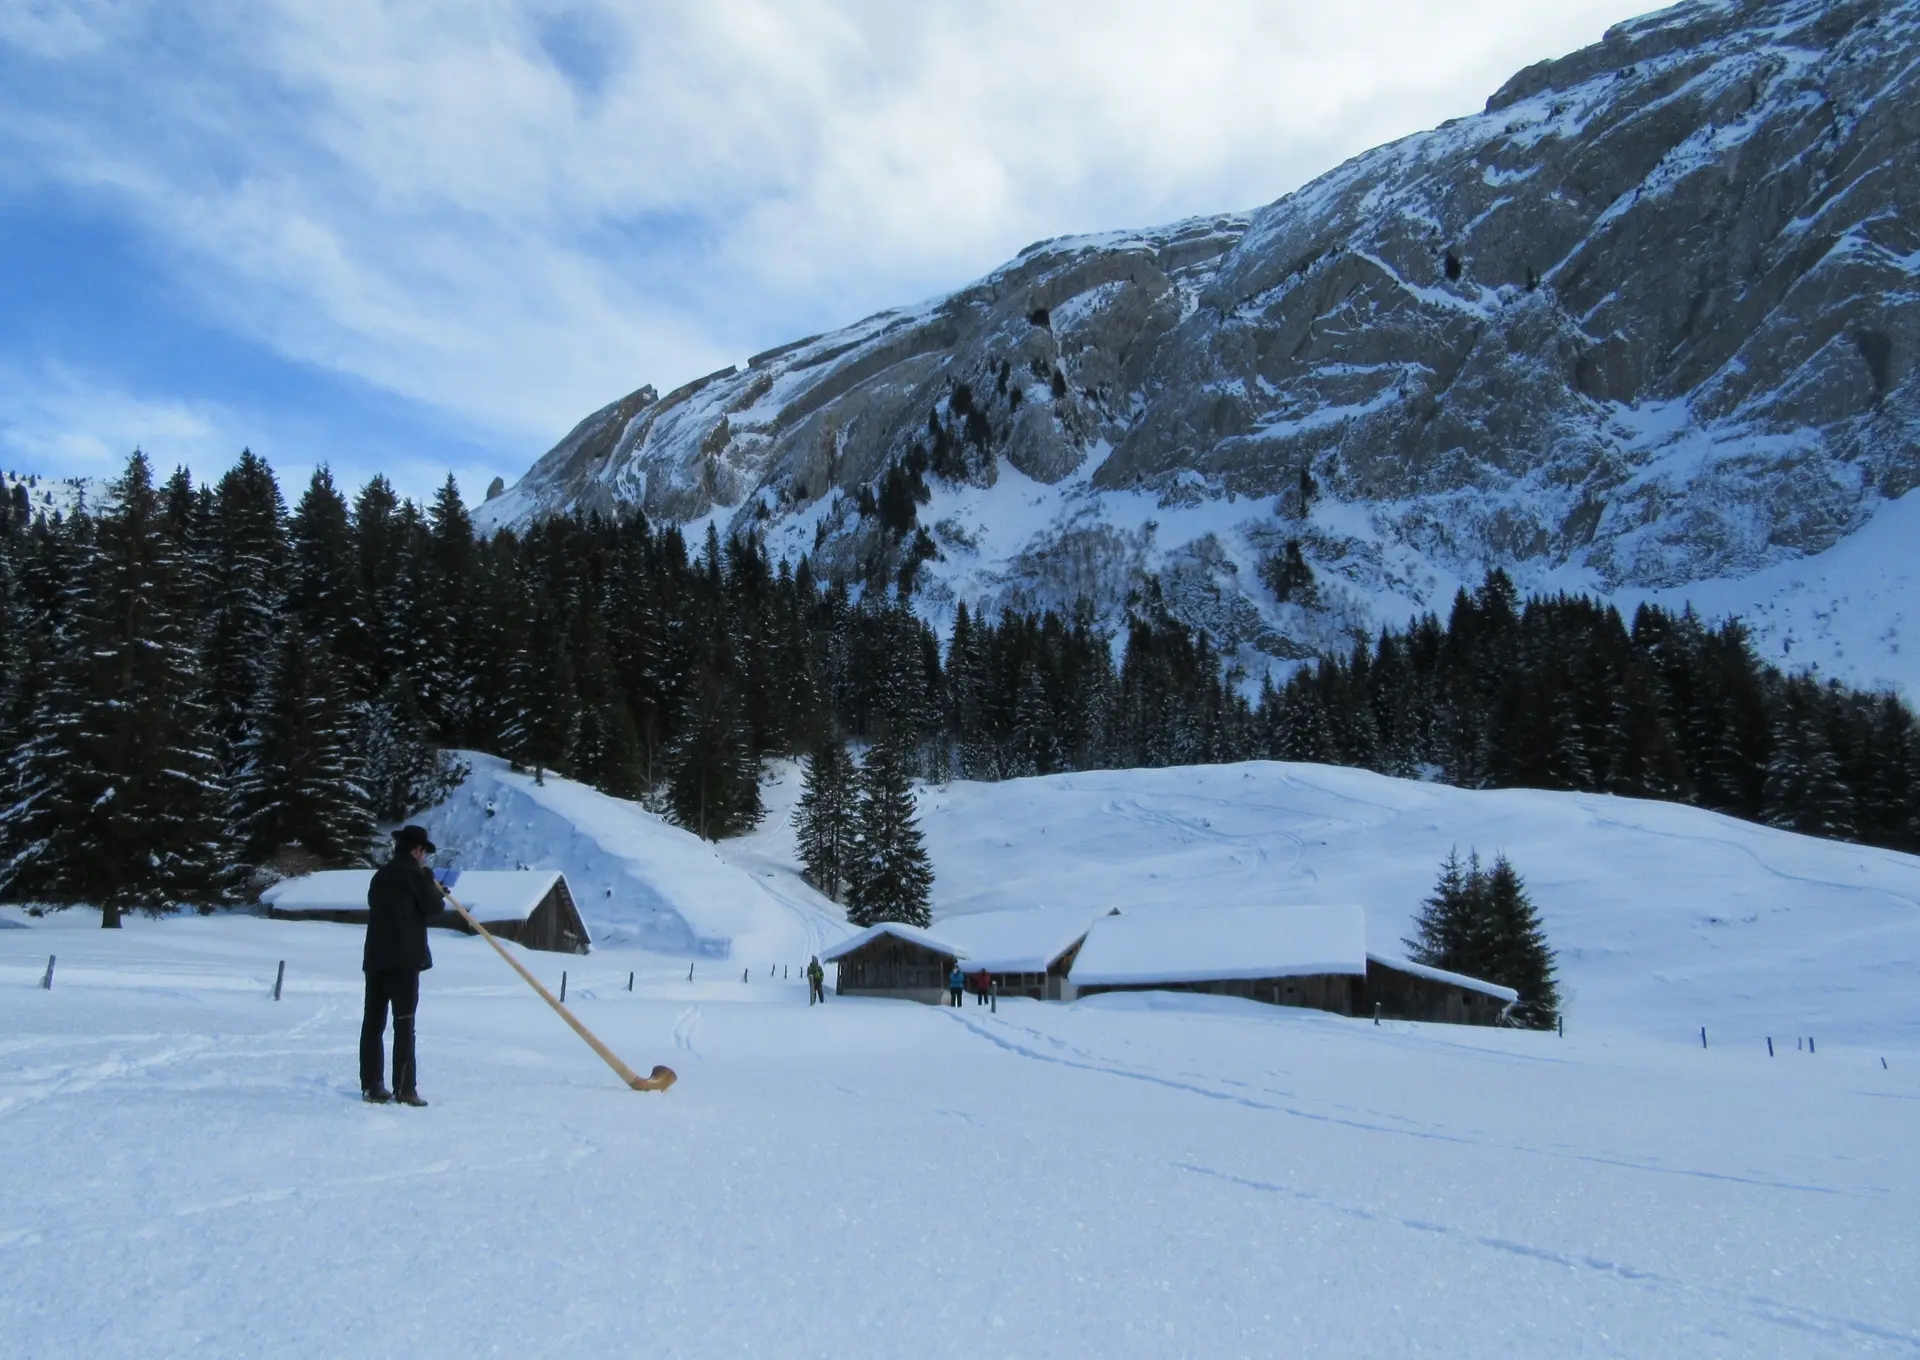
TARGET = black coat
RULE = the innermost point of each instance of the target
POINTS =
(400, 901)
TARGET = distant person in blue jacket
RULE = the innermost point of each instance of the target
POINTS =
(956, 984)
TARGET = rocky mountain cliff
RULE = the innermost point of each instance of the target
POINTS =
(1650, 320)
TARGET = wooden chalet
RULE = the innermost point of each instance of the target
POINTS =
(894, 960)
(533, 907)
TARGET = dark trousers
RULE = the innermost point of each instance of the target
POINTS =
(400, 989)
(954, 992)
(816, 991)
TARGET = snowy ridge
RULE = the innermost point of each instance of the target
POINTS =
(52, 496)
(636, 878)
(1646, 324)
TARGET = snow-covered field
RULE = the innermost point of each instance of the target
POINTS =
(188, 1170)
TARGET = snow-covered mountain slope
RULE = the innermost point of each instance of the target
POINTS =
(636, 877)
(54, 495)
(1648, 321)
(1665, 917)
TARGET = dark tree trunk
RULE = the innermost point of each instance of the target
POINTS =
(109, 918)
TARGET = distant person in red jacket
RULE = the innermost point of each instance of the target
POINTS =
(982, 985)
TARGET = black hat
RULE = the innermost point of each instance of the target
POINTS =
(409, 836)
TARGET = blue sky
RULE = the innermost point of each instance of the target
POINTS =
(427, 238)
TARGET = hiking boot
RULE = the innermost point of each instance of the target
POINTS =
(411, 1098)
(378, 1095)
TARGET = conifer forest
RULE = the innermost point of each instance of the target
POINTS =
(198, 682)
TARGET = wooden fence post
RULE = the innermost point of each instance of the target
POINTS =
(46, 983)
(629, 981)
(563, 986)
(1769, 1045)
(1703, 1036)
(279, 976)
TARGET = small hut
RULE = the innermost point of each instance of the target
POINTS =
(1028, 953)
(894, 960)
(533, 907)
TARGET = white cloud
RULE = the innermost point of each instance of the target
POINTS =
(55, 418)
(516, 212)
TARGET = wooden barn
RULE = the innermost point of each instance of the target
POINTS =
(531, 906)
(894, 960)
(1029, 953)
(1400, 989)
(1286, 956)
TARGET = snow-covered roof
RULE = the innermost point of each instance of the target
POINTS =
(1421, 970)
(913, 934)
(1145, 945)
(1018, 941)
(490, 894)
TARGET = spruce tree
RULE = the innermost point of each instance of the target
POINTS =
(1514, 947)
(301, 781)
(891, 877)
(404, 770)
(1446, 932)
(120, 785)
(827, 817)
(323, 586)
(247, 551)
(713, 779)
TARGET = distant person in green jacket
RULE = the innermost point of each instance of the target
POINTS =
(816, 981)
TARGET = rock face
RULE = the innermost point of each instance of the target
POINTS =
(1650, 318)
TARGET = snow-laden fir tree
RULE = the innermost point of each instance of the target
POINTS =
(299, 794)
(404, 770)
(118, 789)
(246, 553)
(323, 577)
(827, 816)
(713, 778)
(543, 700)
(891, 877)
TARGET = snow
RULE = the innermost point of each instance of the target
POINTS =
(189, 1171)
(635, 877)
(1506, 994)
(1665, 917)
(490, 894)
(1846, 613)
(1018, 941)
(897, 930)
(1214, 944)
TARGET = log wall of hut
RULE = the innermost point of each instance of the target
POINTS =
(554, 925)
(891, 967)
(1340, 993)
(1407, 996)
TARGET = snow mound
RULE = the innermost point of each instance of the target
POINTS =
(636, 878)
